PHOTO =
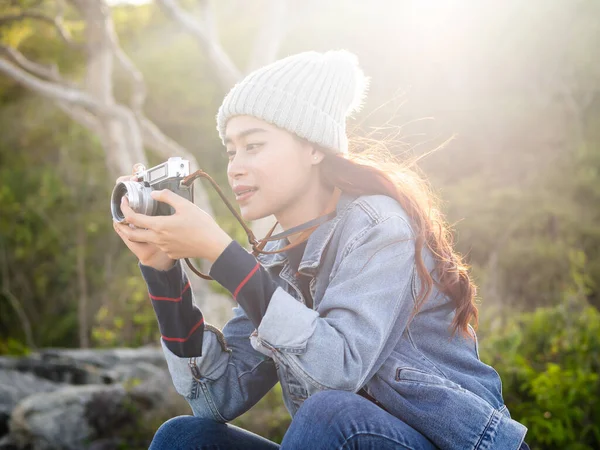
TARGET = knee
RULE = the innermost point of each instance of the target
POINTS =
(320, 420)
(175, 425)
(324, 406)
(180, 431)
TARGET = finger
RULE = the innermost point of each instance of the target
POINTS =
(139, 220)
(136, 234)
(121, 228)
(169, 197)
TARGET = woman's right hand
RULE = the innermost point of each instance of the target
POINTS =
(148, 254)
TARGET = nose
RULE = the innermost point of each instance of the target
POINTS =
(236, 168)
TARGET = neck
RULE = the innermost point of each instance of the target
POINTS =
(309, 206)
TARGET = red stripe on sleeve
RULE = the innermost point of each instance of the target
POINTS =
(171, 299)
(194, 328)
(245, 280)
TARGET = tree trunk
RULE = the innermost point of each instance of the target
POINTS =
(82, 302)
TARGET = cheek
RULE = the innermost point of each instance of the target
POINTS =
(281, 179)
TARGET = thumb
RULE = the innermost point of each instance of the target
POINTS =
(169, 197)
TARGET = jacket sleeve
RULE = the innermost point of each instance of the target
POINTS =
(360, 318)
(227, 377)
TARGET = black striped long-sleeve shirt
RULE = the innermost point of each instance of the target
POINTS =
(181, 322)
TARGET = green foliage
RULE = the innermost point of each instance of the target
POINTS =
(128, 317)
(131, 422)
(13, 347)
(524, 234)
(548, 361)
(268, 418)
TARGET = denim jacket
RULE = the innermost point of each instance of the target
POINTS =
(357, 334)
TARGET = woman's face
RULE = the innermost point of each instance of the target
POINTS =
(269, 169)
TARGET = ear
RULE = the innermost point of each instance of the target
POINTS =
(316, 155)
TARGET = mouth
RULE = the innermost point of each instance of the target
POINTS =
(244, 195)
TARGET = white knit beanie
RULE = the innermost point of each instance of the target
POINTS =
(309, 94)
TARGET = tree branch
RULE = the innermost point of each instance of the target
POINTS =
(50, 73)
(138, 86)
(56, 91)
(138, 94)
(82, 117)
(41, 70)
(206, 34)
(158, 142)
(57, 22)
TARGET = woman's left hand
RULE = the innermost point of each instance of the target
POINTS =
(188, 233)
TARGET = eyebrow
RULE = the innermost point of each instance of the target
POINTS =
(244, 134)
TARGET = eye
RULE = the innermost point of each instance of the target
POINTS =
(230, 154)
(254, 146)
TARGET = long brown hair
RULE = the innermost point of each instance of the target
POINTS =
(371, 171)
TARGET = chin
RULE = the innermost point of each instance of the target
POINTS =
(249, 214)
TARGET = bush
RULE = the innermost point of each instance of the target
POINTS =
(268, 418)
(549, 362)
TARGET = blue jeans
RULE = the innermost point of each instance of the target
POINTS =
(326, 420)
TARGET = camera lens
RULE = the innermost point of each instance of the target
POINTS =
(138, 196)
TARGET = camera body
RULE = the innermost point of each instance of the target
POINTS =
(167, 175)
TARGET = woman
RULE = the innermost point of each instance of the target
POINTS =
(363, 316)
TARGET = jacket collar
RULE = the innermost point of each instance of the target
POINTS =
(315, 245)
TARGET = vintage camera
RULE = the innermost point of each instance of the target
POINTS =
(167, 175)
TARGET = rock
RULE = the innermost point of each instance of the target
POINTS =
(7, 444)
(85, 399)
(132, 372)
(85, 366)
(15, 386)
(107, 357)
(157, 392)
(8, 363)
(92, 417)
(61, 371)
(68, 418)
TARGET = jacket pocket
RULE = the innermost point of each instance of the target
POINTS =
(447, 414)
(295, 391)
(411, 375)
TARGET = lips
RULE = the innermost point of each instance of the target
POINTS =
(243, 192)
